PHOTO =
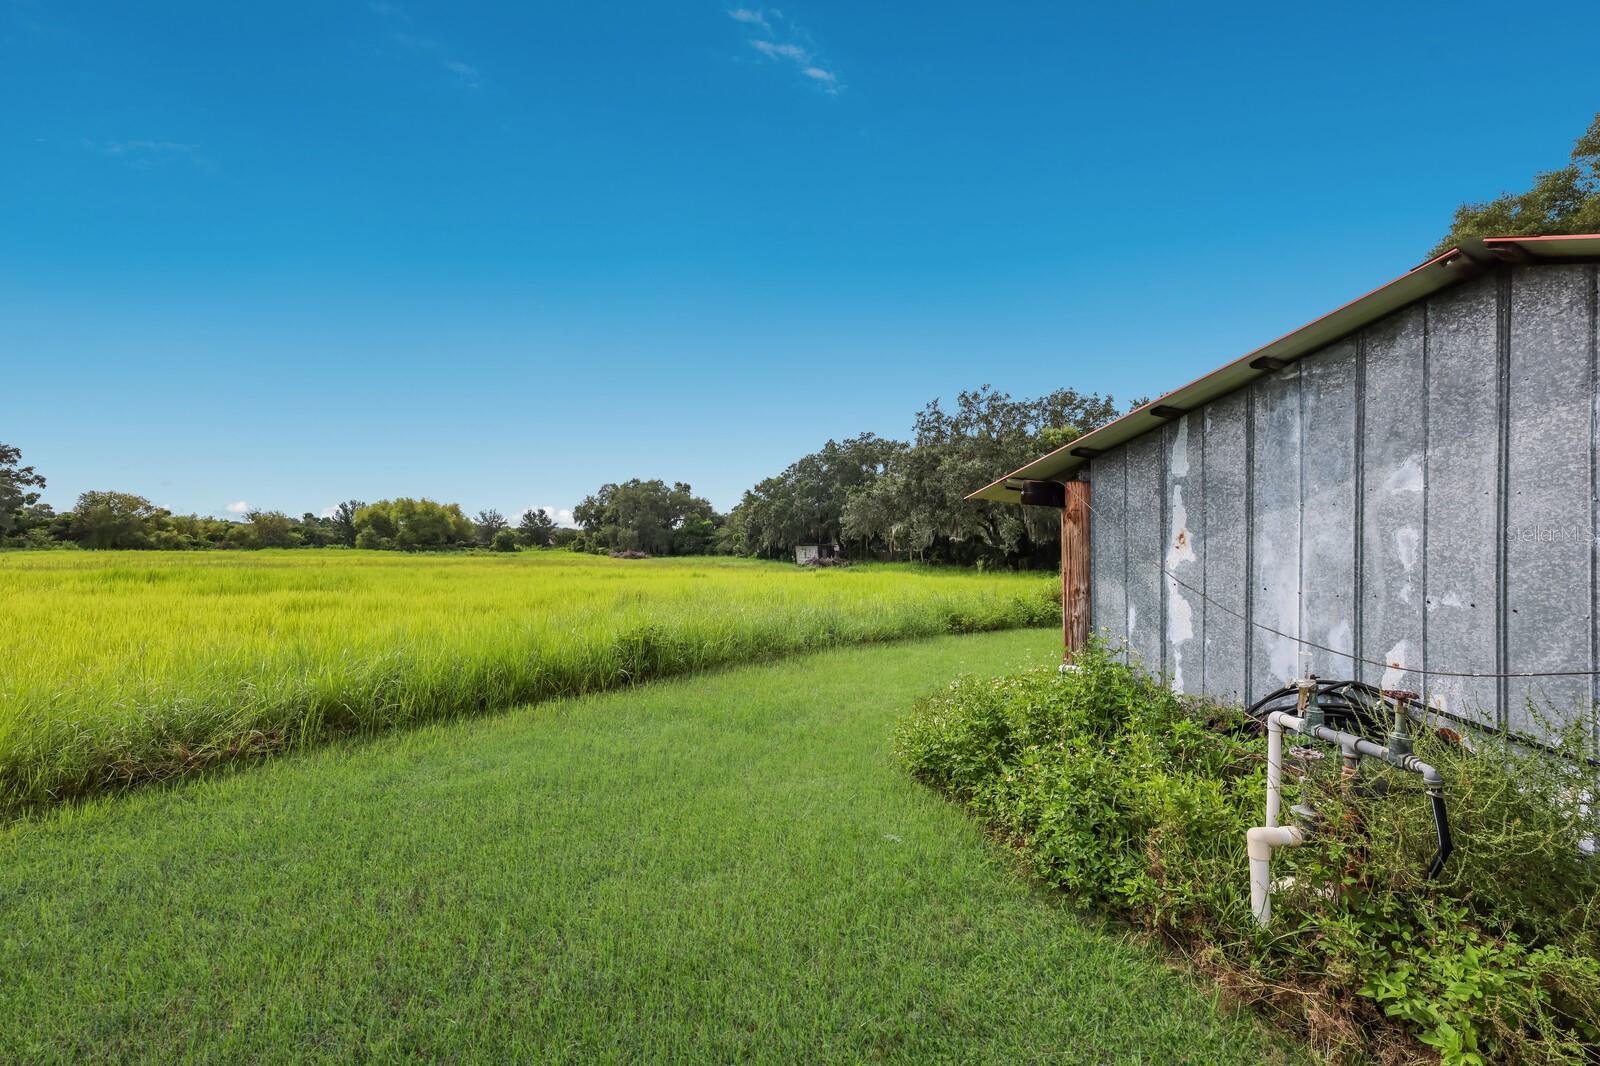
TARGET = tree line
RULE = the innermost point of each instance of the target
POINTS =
(883, 498)
(107, 520)
(876, 497)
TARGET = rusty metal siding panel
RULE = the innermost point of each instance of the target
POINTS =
(1183, 554)
(1275, 532)
(1393, 467)
(1143, 517)
(1224, 536)
(1108, 546)
(1461, 547)
(1549, 545)
(1328, 522)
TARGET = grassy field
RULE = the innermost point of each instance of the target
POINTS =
(121, 667)
(730, 867)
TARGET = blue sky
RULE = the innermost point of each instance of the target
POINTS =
(501, 253)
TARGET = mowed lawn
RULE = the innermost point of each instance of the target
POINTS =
(726, 867)
(120, 667)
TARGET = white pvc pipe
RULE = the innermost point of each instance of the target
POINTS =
(1274, 769)
(1260, 842)
(1277, 722)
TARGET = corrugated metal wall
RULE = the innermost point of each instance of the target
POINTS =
(1422, 493)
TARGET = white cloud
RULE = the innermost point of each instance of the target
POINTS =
(786, 51)
(441, 53)
(237, 507)
(149, 154)
(779, 39)
(466, 72)
(399, 23)
(144, 147)
(329, 512)
(753, 18)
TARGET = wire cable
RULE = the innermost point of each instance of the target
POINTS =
(1351, 655)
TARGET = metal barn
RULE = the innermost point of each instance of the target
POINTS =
(1407, 484)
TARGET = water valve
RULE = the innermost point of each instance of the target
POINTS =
(1307, 705)
(1400, 741)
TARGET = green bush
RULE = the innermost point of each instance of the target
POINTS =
(505, 540)
(1136, 801)
(370, 539)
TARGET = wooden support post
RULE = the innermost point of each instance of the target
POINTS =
(1075, 569)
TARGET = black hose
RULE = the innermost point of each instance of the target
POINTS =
(1441, 830)
(1348, 706)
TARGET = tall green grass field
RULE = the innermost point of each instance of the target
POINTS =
(125, 667)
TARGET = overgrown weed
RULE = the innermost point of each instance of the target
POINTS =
(1136, 802)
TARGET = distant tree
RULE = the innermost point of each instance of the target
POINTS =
(696, 534)
(536, 528)
(410, 524)
(38, 526)
(805, 503)
(489, 523)
(344, 521)
(878, 514)
(955, 452)
(564, 537)
(592, 511)
(1565, 200)
(316, 531)
(191, 532)
(16, 485)
(641, 516)
(878, 496)
(731, 536)
(271, 529)
(114, 520)
(505, 540)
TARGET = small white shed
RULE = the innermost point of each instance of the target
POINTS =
(805, 554)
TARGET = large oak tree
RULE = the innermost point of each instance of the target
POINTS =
(1564, 200)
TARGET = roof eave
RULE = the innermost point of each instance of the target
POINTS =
(1467, 260)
